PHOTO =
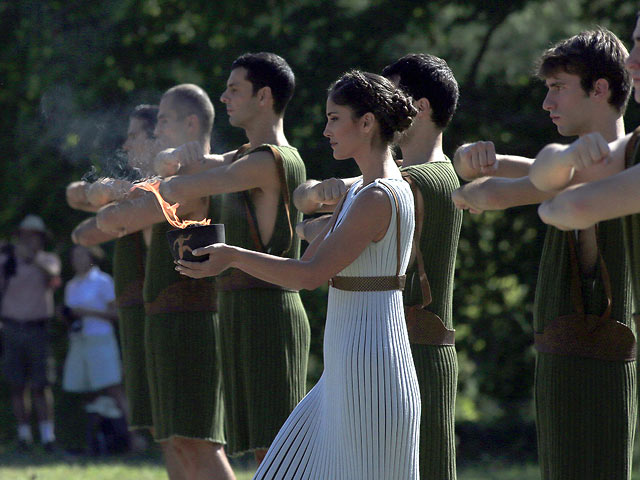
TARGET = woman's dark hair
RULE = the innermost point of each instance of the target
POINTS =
(367, 92)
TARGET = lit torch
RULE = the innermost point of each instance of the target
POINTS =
(169, 211)
(201, 233)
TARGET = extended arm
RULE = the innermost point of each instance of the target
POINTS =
(328, 255)
(88, 234)
(187, 159)
(76, 193)
(584, 205)
(256, 170)
(497, 193)
(479, 159)
(138, 213)
(315, 196)
(588, 158)
(310, 228)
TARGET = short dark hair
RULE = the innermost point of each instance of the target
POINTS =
(267, 69)
(591, 55)
(427, 76)
(148, 115)
(365, 92)
(189, 99)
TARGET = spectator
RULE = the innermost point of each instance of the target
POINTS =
(93, 361)
(28, 277)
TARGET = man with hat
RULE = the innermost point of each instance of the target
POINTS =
(28, 277)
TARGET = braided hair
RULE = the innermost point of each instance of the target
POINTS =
(365, 92)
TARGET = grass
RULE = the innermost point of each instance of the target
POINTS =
(41, 466)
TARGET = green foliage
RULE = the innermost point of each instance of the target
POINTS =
(71, 71)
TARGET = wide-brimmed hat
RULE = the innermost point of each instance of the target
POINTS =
(33, 223)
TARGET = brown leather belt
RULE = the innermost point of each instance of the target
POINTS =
(368, 284)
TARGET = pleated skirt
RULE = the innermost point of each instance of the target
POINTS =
(586, 416)
(131, 331)
(184, 376)
(264, 346)
(361, 421)
(437, 371)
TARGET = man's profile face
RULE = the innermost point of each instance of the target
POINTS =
(238, 97)
(571, 109)
(138, 145)
(171, 130)
(633, 62)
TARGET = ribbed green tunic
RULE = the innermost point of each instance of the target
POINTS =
(128, 276)
(585, 408)
(264, 333)
(631, 229)
(436, 366)
(180, 340)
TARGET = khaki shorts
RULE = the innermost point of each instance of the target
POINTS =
(92, 363)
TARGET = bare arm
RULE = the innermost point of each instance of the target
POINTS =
(310, 228)
(479, 159)
(88, 234)
(584, 205)
(328, 256)
(497, 193)
(135, 214)
(187, 159)
(315, 196)
(76, 193)
(588, 158)
(256, 170)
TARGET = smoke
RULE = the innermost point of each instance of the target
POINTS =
(89, 139)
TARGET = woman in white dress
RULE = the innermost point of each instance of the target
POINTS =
(361, 421)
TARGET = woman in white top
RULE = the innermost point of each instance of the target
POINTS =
(361, 420)
(93, 360)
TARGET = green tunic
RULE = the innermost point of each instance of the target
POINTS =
(264, 332)
(180, 340)
(631, 229)
(585, 408)
(128, 277)
(436, 366)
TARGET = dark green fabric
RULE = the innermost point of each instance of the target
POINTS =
(182, 359)
(264, 332)
(184, 376)
(439, 237)
(631, 228)
(436, 366)
(585, 408)
(552, 292)
(585, 415)
(128, 275)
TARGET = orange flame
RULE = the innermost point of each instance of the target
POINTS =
(168, 210)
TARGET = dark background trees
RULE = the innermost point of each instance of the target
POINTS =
(70, 71)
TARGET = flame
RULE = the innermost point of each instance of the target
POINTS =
(168, 210)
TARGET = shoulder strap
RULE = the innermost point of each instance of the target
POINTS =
(395, 198)
(425, 287)
(284, 190)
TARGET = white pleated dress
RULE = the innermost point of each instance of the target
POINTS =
(361, 420)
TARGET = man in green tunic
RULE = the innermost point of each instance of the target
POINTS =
(181, 323)
(128, 267)
(264, 331)
(431, 83)
(585, 404)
